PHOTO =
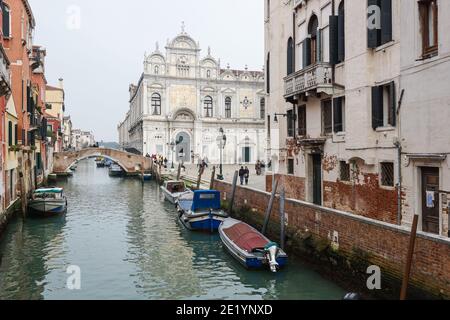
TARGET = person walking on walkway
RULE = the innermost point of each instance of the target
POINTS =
(242, 175)
(246, 175)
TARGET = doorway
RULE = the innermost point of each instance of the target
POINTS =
(183, 149)
(317, 179)
(246, 154)
(430, 200)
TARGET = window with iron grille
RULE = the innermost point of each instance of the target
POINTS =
(387, 174)
(290, 167)
(302, 121)
(290, 123)
(228, 107)
(345, 171)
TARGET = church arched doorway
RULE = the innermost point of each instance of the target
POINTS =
(183, 149)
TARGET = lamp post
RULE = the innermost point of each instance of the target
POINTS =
(172, 146)
(221, 143)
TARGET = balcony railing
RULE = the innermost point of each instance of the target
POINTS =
(315, 77)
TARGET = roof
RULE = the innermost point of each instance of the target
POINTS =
(29, 12)
(51, 88)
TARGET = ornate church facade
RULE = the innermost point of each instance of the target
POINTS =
(184, 101)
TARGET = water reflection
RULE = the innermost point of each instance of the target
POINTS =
(129, 245)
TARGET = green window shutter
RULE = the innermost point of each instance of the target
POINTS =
(386, 21)
(393, 105)
(377, 107)
(334, 43)
(10, 133)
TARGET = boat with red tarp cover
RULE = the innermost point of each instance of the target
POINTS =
(250, 247)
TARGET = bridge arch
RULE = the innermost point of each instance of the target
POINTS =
(132, 164)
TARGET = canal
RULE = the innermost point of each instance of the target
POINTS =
(129, 245)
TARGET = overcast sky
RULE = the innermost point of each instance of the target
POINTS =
(100, 56)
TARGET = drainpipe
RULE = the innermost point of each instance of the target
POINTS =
(398, 144)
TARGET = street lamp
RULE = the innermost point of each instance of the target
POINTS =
(172, 146)
(221, 143)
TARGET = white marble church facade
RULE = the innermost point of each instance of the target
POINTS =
(186, 99)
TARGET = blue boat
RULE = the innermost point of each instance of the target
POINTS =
(250, 247)
(201, 210)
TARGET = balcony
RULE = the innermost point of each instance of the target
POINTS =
(315, 78)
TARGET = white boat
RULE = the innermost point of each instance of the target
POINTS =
(115, 171)
(48, 202)
(173, 190)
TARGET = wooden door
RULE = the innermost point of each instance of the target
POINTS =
(430, 200)
(317, 179)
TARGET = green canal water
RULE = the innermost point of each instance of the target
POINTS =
(129, 245)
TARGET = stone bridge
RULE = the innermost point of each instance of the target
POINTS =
(130, 163)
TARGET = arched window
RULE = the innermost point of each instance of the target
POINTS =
(313, 30)
(208, 106)
(290, 56)
(208, 74)
(6, 20)
(156, 69)
(156, 104)
(262, 107)
(228, 107)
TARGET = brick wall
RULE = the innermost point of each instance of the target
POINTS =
(365, 198)
(349, 238)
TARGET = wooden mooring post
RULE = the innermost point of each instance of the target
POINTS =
(409, 258)
(233, 192)
(270, 206)
(179, 172)
(199, 178)
(282, 218)
(213, 178)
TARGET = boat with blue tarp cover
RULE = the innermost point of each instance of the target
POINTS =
(250, 247)
(201, 210)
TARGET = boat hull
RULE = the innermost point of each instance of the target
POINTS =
(247, 259)
(173, 197)
(203, 223)
(47, 208)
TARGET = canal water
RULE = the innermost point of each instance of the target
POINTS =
(128, 244)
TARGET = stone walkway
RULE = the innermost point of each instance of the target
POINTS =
(256, 182)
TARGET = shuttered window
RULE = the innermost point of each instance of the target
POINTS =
(290, 56)
(302, 121)
(290, 123)
(384, 106)
(334, 40)
(10, 133)
(6, 16)
(339, 114)
(327, 117)
(382, 17)
(16, 135)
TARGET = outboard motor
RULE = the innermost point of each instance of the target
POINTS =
(272, 252)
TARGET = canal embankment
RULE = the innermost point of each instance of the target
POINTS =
(343, 246)
(5, 217)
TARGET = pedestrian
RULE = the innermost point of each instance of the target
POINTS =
(246, 175)
(242, 175)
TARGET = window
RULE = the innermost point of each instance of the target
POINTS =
(344, 171)
(384, 106)
(156, 69)
(327, 117)
(302, 121)
(228, 107)
(290, 123)
(290, 56)
(262, 109)
(16, 135)
(208, 106)
(10, 133)
(311, 45)
(382, 18)
(428, 13)
(6, 15)
(290, 167)
(337, 36)
(156, 104)
(387, 174)
(208, 74)
(339, 114)
(268, 127)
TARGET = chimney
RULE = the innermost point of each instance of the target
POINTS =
(61, 83)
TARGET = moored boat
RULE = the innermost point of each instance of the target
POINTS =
(251, 248)
(173, 190)
(201, 210)
(147, 177)
(48, 202)
(115, 171)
